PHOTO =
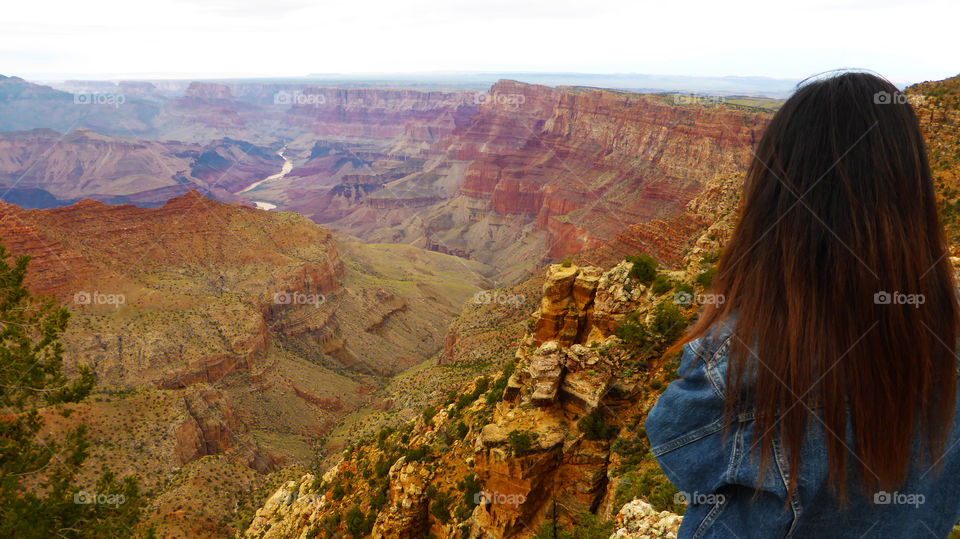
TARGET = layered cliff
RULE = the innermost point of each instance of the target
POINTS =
(544, 173)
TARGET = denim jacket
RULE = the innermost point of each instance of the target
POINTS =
(717, 474)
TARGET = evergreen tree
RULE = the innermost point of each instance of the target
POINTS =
(39, 496)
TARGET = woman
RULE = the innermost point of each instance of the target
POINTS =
(818, 399)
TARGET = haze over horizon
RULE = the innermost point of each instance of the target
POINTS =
(56, 39)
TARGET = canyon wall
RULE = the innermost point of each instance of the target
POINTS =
(562, 170)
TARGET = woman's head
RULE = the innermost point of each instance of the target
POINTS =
(838, 275)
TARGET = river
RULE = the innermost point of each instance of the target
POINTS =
(284, 170)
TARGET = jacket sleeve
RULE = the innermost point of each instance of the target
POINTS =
(708, 464)
(685, 427)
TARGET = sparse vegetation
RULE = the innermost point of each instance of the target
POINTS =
(593, 427)
(705, 278)
(520, 442)
(644, 268)
(661, 284)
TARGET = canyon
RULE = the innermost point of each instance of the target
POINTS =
(236, 347)
(308, 303)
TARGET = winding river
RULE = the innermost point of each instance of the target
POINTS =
(284, 170)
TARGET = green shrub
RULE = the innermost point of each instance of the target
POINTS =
(644, 268)
(382, 467)
(668, 322)
(379, 499)
(566, 263)
(652, 486)
(338, 492)
(419, 453)
(462, 430)
(586, 526)
(354, 520)
(440, 508)
(632, 331)
(661, 284)
(705, 278)
(470, 488)
(683, 288)
(520, 442)
(428, 414)
(712, 257)
(593, 427)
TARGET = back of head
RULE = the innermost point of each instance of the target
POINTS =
(839, 278)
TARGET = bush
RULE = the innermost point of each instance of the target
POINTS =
(705, 278)
(382, 467)
(644, 268)
(379, 499)
(660, 285)
(593, 427)
(586, 526)
(683, 288)
(419, 453)
(496, 391)
(566, 263)
(633, 332)
(428, 414)
(462, 430)
(520, 442)
(652, 486)
(338, 492)
(440, 508)
(712, 257)
(470, 487)
(354, 520)
(668, 322)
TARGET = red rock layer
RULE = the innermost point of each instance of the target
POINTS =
(379, 114)
(589, 164)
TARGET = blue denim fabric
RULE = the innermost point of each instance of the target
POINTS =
(717, 472)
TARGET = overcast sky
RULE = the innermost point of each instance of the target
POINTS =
(905, 41)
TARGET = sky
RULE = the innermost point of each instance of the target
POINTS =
(51, 39)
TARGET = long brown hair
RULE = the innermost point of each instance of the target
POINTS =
(838, 279)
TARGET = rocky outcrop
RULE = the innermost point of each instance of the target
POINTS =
(565, 369)
(639, 520)
(211, 426)
(406, 516)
